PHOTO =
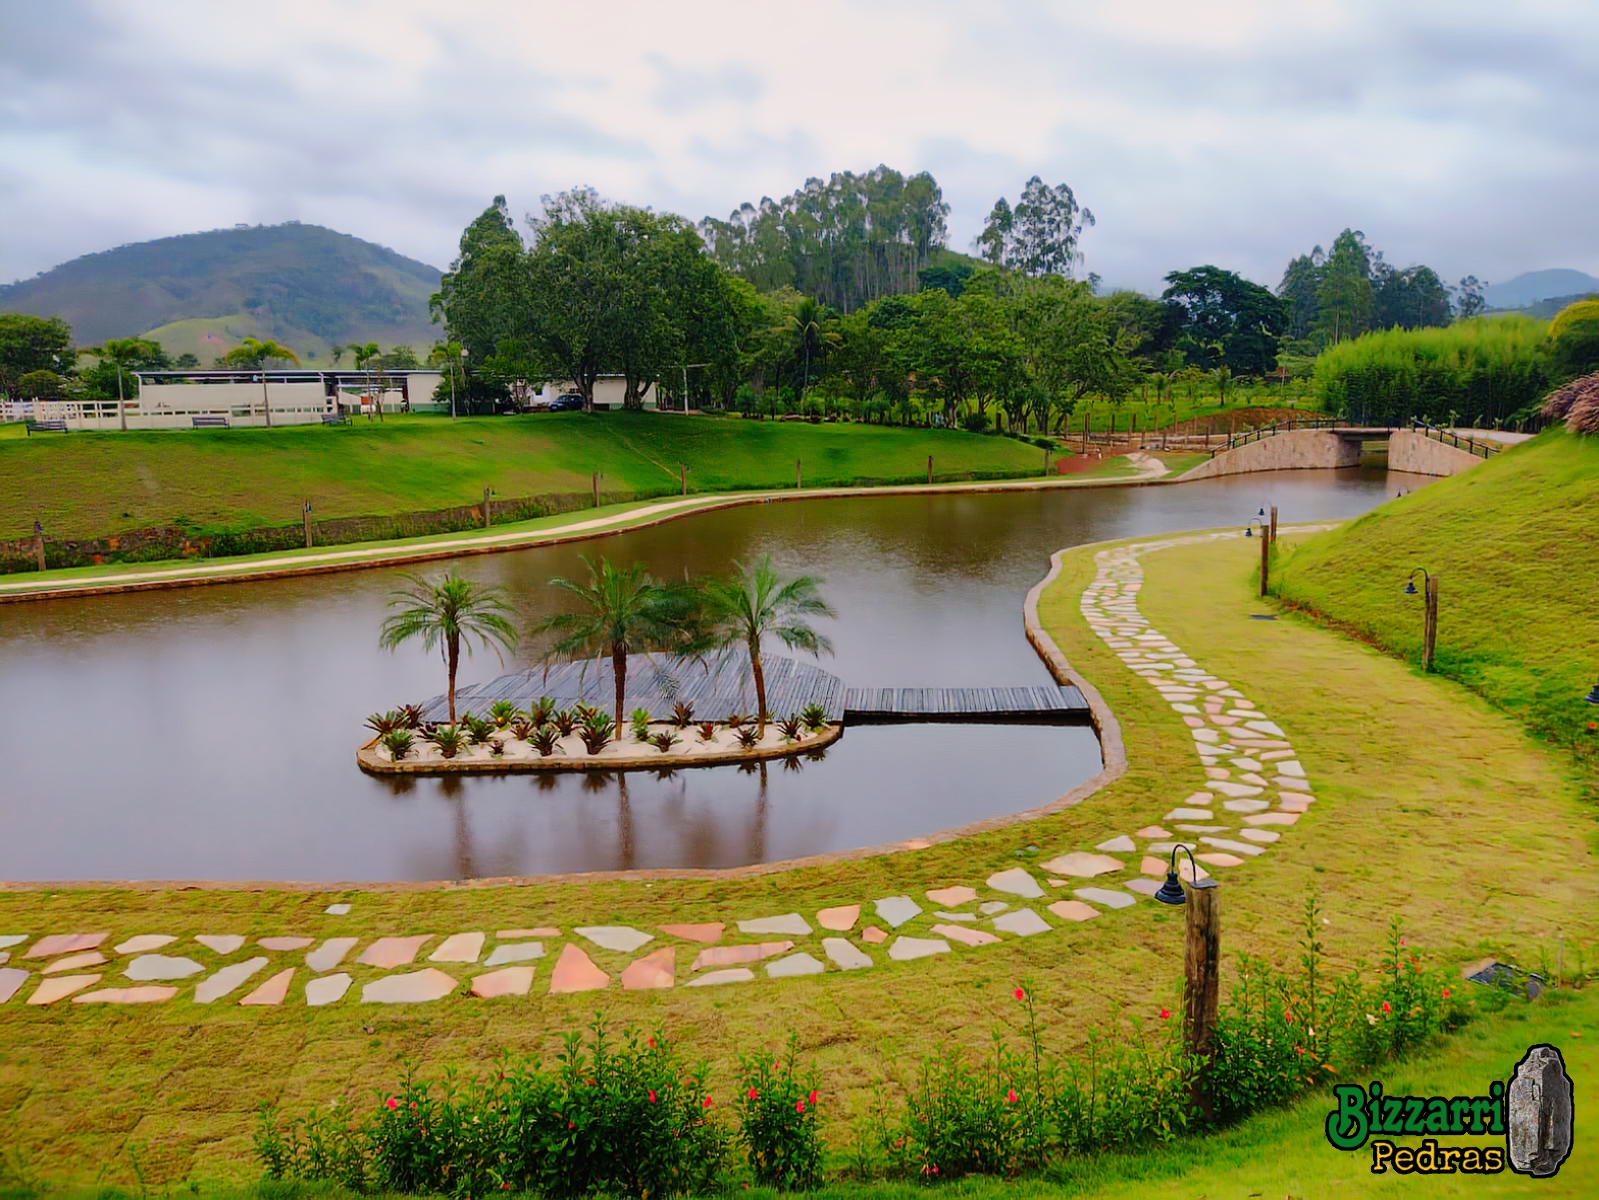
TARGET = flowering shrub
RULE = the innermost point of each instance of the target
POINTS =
(778, 1121)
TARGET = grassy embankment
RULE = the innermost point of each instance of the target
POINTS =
(1474, 834)
(1515, 543)
(88, 485)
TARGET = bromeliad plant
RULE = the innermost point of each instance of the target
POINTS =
(478, 729)
(522, 728)
(683, 714)
(398, 742)
(448, 740)
(815, 717)
(411, 715)
(382, 723)
(791, 729)
(597, 732)
(545, 739)
(747, 737)
(707, 731)
(541, 712)
(502, 712)
(665, 740)
(640, 720)
(565, 720)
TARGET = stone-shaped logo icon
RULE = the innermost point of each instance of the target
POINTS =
(1539, 1113)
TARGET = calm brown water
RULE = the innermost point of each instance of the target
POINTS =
(210, 733)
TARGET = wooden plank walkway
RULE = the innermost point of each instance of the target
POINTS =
(721, 687)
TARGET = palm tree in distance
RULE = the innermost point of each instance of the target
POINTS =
(754, 603)
(620, 612)
(254, 353)
(812, 340)
(446, 612)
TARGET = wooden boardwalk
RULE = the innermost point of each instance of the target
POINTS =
(721, 687)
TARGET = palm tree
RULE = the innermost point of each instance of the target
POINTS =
(621, 612)
(123, 353)
(753, 604)
(812, 340)
(254, 353)
(444, 613)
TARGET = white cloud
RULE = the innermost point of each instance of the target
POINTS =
(1240, 132)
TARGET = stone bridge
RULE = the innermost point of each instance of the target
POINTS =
(1422, 451)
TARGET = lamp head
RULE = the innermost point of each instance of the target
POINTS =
(1262, 514)
(1593, 696)
(1410, 587)
(1249, 531)
(1171, 892)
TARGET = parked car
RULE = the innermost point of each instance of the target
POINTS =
(567, 402)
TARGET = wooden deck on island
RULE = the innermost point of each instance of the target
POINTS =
(721, 687)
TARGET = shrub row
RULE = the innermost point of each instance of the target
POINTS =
(633, 1118)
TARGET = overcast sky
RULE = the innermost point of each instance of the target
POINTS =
(1238, 132)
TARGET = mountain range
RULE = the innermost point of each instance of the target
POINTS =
(1527, 289)
(202, 293)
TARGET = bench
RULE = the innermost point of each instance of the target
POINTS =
(210, 422)
(334, 419)
(47, 427)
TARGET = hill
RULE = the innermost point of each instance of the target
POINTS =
(1532, 286)
(302, 284)
(1516, 549)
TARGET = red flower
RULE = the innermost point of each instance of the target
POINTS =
(1020, 995)
(1386, 1007)
(1165, 1014)
(393, 1103)
(813, 1098)
(753, 1094)
(705, 1103)
(1446, 993)
(413, 1106)
(570, 1125)
(652, 1095)
(652, 1043)
(799, 1106)
(505, 1187)
(1010, 1096)
(1401, 941)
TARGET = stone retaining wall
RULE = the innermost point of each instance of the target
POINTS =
(1423, 455)
(1297, 450)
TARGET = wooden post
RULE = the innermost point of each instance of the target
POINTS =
(929, 468)
(596, 489)
(38, 544)
(1265, 561)
(488, 515)
(1046, 460)
(305, 515)
(1273, 524)
(1201, 971)
(1429, 636)
(1085, 431)
(799, 476)
(682, 474)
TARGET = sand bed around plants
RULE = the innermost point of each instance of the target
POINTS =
(625, 753)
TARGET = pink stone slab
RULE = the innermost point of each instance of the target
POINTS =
(414, 987)
(459, 948)
(330, 953)
(576, 972)
(840, 919)
(65, 943)
(145, 942)
(11, 981)
(74, 962)
(1272, 818)
(270, 993)
(1220, 860)
(706, 934)
(734, 956)
(393, 952)
(1159, 866)
(1144, 887)
(874, 935)
(221, 943)
(60, 987)
(1082, 865)
(655, 970)
(127, 995)
(1073, 910)
(285, 943)
(543, 931)
(952, 897)
(508, 981)
(967, 937)
(1151, 831)
(1295, 804)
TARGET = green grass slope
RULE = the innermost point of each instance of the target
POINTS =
(302, 283)
(87, 484)
(1515, 542)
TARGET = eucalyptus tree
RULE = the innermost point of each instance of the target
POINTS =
(447, 613)
(1038, 236)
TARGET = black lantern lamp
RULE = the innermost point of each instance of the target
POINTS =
(1410, 584)
(1249, 530)
(1593, 696)
(1171, 892)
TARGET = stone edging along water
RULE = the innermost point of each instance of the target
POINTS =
(357, 559)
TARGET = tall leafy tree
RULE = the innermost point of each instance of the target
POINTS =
(1300, 285)
(1471, 301)
(1408, 298)
(1225, 320)
(29, 344)
(1345, 301)
(1040, 235)
(483, 297)
(755, 604)
(446, 614)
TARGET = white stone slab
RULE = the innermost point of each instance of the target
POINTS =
(330, 953)
(460, 948)
(514, 952)
(227, 979)
(1227, 788)
(905, 949)
(337, 910)
(1015, 882)
(949, 916)
(896, 910)
(731, 975)
(221, 943)
(621, 938)
(148, 967)
(1118, 845)
(12, 939)
(795, 964)
(789, 923)
(414, 987)
(1258, 835)
(1190, 814)
(989, 907)
(1270, 728)
(1232, 846)
(845, 954)
(326, 989)
(1024, 922)
(1081, 864)
(1104, 896)
(1246, 806)
(145, 943)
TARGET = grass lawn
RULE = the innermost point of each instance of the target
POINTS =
(1516, 544)
(1474, 834)
(89, 484)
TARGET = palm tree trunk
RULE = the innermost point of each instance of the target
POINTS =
(619, 670)
(122, 404)
(266, 404)
(760, 685)
(453, 661)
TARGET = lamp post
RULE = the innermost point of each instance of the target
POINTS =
(38, 542)
(305, 515)
(1201, 956)
(1429, 627)
(1265, 548)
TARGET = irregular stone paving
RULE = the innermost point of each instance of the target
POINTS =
(1248, 789)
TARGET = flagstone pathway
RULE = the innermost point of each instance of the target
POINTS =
(1249, 789)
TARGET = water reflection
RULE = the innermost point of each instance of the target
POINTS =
(210, 732)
